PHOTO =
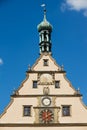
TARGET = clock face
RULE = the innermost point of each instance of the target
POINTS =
(46, 116)
(46, 101)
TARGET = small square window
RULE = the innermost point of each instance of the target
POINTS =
(27, 111)
(66, 110)
(34, 84)
(45, 62)
(57, 84)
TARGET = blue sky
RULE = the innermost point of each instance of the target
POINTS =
(19, 41)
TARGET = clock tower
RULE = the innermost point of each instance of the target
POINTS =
(45, 99)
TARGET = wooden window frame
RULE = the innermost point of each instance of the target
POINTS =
(57, 84)
(29, 111)
(35, 84)
(67, 110)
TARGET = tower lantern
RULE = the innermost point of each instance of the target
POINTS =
(45, 29)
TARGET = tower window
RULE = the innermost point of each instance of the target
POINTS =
(34, 84)
(45, 62)
(57, 84)
(27, 111)
(66, 110)
(45, 37)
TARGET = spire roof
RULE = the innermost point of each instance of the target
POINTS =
(44, 25)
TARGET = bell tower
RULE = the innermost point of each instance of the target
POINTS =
(45, 29)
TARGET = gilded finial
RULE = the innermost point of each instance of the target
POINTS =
(62, 68)
(44, 8)
(29, 67)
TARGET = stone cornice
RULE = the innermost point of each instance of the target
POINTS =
(43, 125)
(23, 96)
(32, 71)
(46, 107)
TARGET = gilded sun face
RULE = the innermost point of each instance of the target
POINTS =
(46, 79)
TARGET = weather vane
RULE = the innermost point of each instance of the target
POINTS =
(44, 6)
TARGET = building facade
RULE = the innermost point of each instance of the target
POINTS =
(46, 99)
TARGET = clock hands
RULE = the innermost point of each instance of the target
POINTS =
(47, 116)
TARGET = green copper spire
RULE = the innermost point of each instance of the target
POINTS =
(45, 29)
(44, 24)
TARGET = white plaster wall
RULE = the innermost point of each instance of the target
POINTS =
(65, 86)
(14, 113)
(26, 87)
(78, 110)
(52, 66)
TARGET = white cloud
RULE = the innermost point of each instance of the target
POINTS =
(77, 5)
(1, 61)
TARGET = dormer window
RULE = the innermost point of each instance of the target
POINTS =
(45, 62)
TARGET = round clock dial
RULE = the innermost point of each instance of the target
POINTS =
(46, 116)
(46, 101)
